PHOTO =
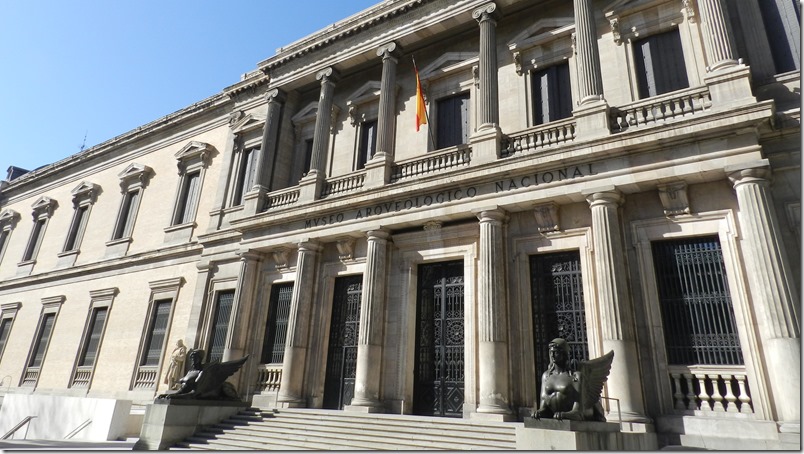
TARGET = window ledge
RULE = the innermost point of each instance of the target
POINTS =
(127, 239)
(179, 227)
(68, 253)
(27, 262)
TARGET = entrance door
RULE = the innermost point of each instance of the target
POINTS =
(439, 371)
(339, 385)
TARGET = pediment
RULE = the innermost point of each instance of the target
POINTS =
(447, 63)
(44, 204)
(542, 31)
(368, 92)
(195, 150)
(307, 113)
(85, 190)
(134, 173)
(247, 122)
(9, 216)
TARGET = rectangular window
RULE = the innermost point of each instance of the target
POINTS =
(246, 176)
(308, 156)
(4, 234)
(782, 19)
(185, 211)
(42, 340)
(5, 329)
(660, 67)
(276, 326)
(157, 330)
(92, 343)
(77, 228)
(220, 325)
(36, 239)
(452, 123)
(368, 143)
(128, 211)
(552, 98)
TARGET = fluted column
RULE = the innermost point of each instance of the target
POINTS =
(488, 115)
(254, 200)
(617, 323)
(241, 317)
(492, 309)
(717, 38)
(323, 121)
(386, 115)
(590, 81)
(291, 387)
(372, 320)
(774, 297)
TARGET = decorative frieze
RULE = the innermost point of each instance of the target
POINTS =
(674, 198)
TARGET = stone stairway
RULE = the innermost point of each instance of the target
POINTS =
(311, 429)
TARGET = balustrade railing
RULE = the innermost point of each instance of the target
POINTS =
(539, 137)
(81, 377)
(145, 377)
(343, 184)
(283, 197)
(432, 163)
(30, 377)
(268, 377)
(647, 112)
(710, 389)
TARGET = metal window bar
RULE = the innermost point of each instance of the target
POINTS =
(41, 343)
(95, 331)
(220, 325)
(276, 326)
(153, 347)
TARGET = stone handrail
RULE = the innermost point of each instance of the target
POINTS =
(538, 137)
(268, 377)
(710, 389)
(282, 197)
(432, 163)
(343, 184)
(646, 112)
(146, 377)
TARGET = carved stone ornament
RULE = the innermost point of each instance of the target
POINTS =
(476, 75)
(485, 12)
(674, 199)
(194, 150)
(43, 206)
(546, 217)
(9, 218)
(615, 30)
(85, 192)
(281, 257)
(518, 62)
(345, 248)
(134, 173)
(432, 225)
(235, 116)
(689, 10)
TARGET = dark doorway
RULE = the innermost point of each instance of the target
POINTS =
(339, 385)
(439, 371)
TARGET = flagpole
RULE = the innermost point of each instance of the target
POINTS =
(426, 115)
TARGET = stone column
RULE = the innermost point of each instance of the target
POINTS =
(488, 108)
(617, 323)
(323, 121)
(372, 321)
(291, 386)
(378, 168)
(492, 359)
(774, 297)
(241, 319)
(255, 199)
(717, 38)
(590, 80)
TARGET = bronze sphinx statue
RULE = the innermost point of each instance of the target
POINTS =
(207, 381)
(569, 394)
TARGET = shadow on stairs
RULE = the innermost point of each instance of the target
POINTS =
(313, 429)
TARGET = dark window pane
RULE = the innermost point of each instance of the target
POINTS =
(368, 142)
(126, 221)
(184, 212)
(220, 325)
(93, 341)
(36, 238)
(276, 326)
(77, 227)
(453, 121)
(245, 179)
(782, 19)
(659, 64)
(42, 340)
(5, 328)
(552, 98)
(156, 333)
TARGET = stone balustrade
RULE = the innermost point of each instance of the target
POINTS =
(268, 377)
(647, 112)
(432, 163)
(145, 377)
(539, 137)
(281, 198)
(30, 377)
(81, 377)
(343, 184)
(710, 389)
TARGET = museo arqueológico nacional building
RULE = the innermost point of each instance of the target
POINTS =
(624, 174)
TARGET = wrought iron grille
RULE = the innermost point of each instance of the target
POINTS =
(276, 325)
(439, 370)
(220, 325)
(697, 315)
(339, 385)
(558, 307)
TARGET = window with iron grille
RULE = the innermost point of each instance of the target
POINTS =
(220, 325)
(552, 96)
(276, 326)
(92, 342)
(697, 315)
(155, 337)
(659, 61)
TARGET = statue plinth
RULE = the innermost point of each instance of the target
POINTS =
(542, 434)
(168, 422)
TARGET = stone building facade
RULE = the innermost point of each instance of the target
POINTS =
(624, 174)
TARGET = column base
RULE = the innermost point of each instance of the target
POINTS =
(310, 186)
(253, 202)
(730, 87)
(592, 120)
(486, 145)
(793, 427)
(378, 170)
(502, 417)
(364, 408)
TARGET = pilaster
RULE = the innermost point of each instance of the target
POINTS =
(616, 315)
(291, 387)
(241, 315)
(774, 297)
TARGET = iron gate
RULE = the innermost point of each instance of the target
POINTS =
(558, 308)
(339, 385)
(439, 371)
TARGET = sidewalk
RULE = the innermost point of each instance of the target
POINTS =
(68, 445)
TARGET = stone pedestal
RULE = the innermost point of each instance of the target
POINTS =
(486, 145)
(568, 435)
(730, 87)
(592, 121)
(378, 170)
(168, 422)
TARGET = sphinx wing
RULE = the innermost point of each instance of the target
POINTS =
(215, 373)
(593, 374)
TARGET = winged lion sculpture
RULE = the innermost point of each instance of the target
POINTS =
(207, 381)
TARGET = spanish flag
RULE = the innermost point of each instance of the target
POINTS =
(421, 113)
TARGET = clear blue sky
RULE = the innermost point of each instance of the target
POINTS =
(103, 67)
